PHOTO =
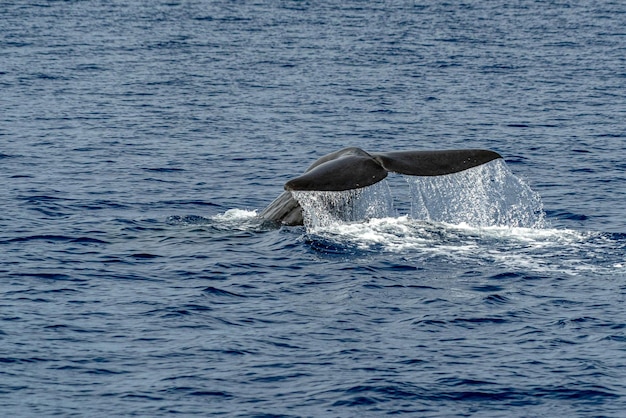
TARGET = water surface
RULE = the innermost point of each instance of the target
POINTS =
(138, 140)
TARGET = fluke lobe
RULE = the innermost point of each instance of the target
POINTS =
(353, 168)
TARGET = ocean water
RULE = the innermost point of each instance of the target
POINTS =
(138, 140)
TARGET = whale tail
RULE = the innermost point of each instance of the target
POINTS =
(353, 168)
(284, 209)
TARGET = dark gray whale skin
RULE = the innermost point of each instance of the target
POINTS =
(353, 168)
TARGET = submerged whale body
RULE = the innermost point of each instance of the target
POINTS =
(353, 168)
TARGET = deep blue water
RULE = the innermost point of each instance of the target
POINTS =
(138, 138)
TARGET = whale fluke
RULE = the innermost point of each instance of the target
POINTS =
(434, 163)
(353, 168)
(346, 172)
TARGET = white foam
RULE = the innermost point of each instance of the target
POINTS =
(516, 248)
(236, 220)
(233, 215)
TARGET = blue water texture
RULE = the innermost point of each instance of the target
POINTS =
(139, 141)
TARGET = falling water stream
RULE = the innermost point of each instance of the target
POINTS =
(483, 196)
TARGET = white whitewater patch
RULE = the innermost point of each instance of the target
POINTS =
(235, 215)
(236, 220)
(231, 220)
(403, 233)
(550, 251)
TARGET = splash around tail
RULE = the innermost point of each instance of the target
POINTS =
(473, 187)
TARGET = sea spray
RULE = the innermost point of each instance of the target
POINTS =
(487, 195)
(322, 209)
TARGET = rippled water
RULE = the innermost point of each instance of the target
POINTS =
(139, 140)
